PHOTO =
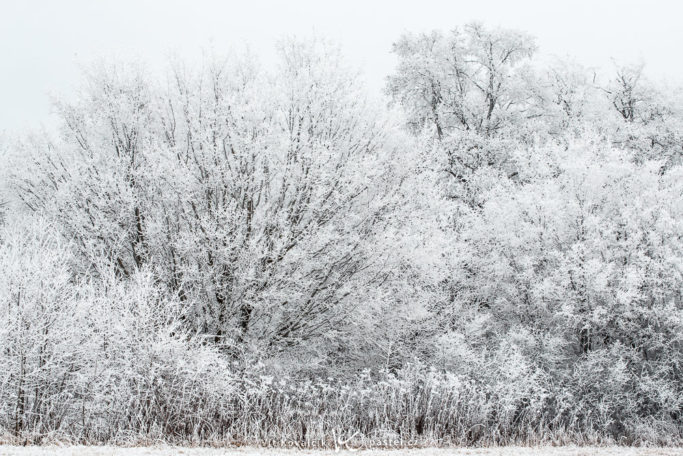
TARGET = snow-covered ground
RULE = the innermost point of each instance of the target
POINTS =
(506, 451)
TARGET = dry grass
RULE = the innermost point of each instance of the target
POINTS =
(499, 451)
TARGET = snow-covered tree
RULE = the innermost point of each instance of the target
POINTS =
(256, 197)
(467, 80)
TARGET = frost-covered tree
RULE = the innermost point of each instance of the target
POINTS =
(649, 116)
(467, 80)
(584, 202)
(581, 261)
(3, 177)
(255, 197)
(467, 90)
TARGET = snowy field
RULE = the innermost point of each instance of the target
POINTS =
(506, 451)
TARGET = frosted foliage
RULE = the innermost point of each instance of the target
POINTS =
(235, 255)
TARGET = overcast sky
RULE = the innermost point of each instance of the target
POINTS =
(44, 44)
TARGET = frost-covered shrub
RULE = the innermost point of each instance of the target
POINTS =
(96, 362)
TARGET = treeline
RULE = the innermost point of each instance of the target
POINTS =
(491, 255)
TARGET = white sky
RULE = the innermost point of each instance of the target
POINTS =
(44, 44)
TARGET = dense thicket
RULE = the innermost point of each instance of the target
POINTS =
(240, 255)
